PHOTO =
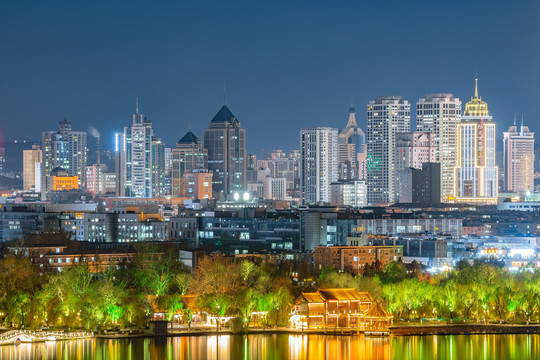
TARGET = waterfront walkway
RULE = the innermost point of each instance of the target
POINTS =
(27, 336)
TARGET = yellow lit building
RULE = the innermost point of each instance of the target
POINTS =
(65, 183)
(475, 174)
(30, 159)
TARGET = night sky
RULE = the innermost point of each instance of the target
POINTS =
(287, 64)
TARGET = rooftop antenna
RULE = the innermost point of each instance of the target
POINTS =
(137, 105)
(224, 92)
(189, 126)
(476, 86)
(514, 119)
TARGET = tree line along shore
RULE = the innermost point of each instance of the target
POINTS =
(127, 295)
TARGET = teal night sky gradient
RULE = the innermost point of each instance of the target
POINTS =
(287, 64)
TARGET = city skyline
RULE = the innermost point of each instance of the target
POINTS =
(93, 82)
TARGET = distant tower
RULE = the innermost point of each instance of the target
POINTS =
(519, 159)
(440, 114)
(65, 149)
(188, 157)
(476, 175)
(136, 159)
(30, 159)
(351, 141)
(318, 163)
(225, 141)
(386, 116)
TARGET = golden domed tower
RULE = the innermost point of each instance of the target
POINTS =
(476, 175)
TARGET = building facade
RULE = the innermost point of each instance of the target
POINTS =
(440, 114)
(476, 175)
(318, 163)
(225, 141)
(30, 159)
(349, 193)
(159, 183)
(519, 159)
(189, 156)
(386, 116)
(412, 150)
(64, 149)
(135, 158)
(354, 258)
(351, 141)
(198, 185)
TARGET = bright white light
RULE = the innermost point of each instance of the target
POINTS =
(246, 196)
(236, 196)
(522, 252)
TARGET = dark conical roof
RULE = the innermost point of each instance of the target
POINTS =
(188, 138)
(224, 115)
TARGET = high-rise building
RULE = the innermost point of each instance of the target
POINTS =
(411, 151)
(65, 149)
(168, 171)
(318, 163)
(159, 186)
(440, 114)
(225, 141)
(519, 159)
(351, 141)
(476, 175)
(134, 161)
(30, 159)
(386, 116)
(2, 159)
(188, 157)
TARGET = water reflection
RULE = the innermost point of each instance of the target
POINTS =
(283, 346)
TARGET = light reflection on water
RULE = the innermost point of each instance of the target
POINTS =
(282, 346)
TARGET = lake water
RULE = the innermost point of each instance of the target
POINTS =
(284, 346)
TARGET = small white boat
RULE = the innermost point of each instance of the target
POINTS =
(376, 333)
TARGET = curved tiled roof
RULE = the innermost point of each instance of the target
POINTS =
(345, 294)
(377, 311)
(313, 297)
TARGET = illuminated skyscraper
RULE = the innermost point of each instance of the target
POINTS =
(159, 187)
(519, 159)
(440, 114)
(30, 159)
(351, 141)
(134, 159)
(225, 141)
(64, 149)
(386, 116)
(318, 164)
(476, 173)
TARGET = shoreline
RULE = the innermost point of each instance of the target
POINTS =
(396, 330)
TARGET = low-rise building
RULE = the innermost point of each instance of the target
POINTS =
(339, 309)
(354, 258)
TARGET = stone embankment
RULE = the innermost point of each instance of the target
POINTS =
(463, 329)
